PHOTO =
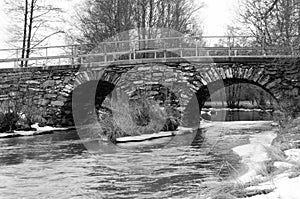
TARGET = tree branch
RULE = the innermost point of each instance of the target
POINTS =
(47, 38)
(270, 9)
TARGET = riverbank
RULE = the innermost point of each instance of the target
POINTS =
(38, 131)
(271, 165)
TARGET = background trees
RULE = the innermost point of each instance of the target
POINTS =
(275, 23)
(101, 19)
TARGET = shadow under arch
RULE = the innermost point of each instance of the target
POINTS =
(88, 98)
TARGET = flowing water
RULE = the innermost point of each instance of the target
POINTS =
(59, 165)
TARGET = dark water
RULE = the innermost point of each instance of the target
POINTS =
(59, 166)
(238, 115)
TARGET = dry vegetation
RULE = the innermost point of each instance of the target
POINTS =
(135, 118)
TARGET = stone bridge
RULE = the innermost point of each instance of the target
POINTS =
(59, 90)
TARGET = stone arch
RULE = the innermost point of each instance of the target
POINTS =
(87, 87)
(211, 77)
(250, 74)
(86, 76)
(147, 75)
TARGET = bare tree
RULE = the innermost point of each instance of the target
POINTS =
(273, 22)
(32, 24)
(101, 19)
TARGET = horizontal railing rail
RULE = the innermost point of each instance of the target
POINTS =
(109, 51)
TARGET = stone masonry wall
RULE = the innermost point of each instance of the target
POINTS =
(49, 88)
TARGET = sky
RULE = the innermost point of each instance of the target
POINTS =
(216, 15)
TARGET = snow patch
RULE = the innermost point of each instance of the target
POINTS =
(254, 155)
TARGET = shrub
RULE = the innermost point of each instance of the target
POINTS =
(139, 116)
(8, 121)
(289, 110)
(9, 116)
(19, 114)
(31, 115)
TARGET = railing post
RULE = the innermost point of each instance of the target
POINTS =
(263, 44)
(196, 48)
(232, 46)
(73, 49)
(46, 56)
(229, 46)
(181, 53)
(105, 53)
(134, 50)
(17, 62)
(164, 49)
(131, 49)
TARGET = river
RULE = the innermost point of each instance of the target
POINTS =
(58, 165)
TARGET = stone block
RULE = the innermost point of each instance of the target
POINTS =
(170, 80)
(57, 103)
(4, 86)
(144, 68)
(62, 98)
(4, 98)
(138, 82)
(43, 102)
(50, 96)
(32, 82)
(23, 89)
(157, 74)
(48, 83)
(35, 89)
(14, 94)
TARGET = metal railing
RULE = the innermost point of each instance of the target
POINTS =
(106, 52)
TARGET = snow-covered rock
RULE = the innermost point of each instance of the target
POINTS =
(45, 128)
(293, 155)
(283, 165)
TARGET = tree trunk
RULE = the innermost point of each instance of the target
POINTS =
(29, 31)
(24, 32)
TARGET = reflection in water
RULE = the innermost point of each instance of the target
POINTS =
(59, 166)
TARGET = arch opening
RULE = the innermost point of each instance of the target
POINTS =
(221, 96)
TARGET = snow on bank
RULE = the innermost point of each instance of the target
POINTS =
(254, 155)
(39, 130)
